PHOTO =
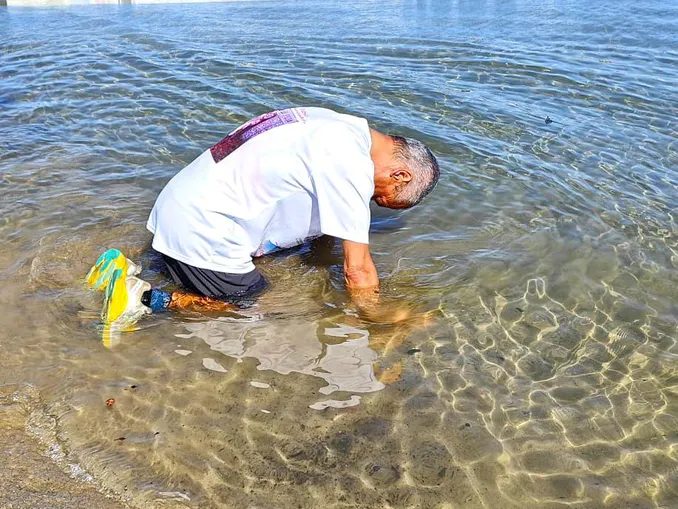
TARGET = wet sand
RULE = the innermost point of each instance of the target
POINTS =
(29, 478)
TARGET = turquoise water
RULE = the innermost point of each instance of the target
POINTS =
(547, 257)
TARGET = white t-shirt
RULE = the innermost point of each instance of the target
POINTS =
(275, 181)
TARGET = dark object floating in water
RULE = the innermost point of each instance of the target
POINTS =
(412, 351)
(120, 439)
(548, 120)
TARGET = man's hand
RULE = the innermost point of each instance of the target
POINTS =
(362, 282)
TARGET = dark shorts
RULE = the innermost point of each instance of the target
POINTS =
(217, 285)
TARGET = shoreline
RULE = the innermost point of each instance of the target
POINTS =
(32, 478)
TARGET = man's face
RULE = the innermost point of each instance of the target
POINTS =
(386, 188)
(388, 201)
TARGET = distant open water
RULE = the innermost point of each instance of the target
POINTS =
(547, 376)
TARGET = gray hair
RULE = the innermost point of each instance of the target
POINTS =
(419, 160)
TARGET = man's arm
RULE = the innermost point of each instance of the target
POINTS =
(362, 282)
(360, 274)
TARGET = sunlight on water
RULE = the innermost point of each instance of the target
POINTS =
(545, 374)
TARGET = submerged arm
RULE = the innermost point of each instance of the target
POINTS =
(362, 282)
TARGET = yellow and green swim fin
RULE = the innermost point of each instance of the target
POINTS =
(100, 274)
(115, 275)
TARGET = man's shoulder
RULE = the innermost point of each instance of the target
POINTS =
(338, 133)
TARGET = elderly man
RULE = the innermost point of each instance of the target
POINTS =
(273, 183)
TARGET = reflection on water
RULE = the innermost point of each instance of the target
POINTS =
(296, 347)
(546, 260)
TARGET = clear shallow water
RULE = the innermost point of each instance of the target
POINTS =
(547, 376)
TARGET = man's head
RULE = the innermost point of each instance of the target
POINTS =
(405, 171)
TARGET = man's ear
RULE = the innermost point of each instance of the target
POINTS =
(401, 175)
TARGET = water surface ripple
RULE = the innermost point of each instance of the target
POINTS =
(547, 375)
